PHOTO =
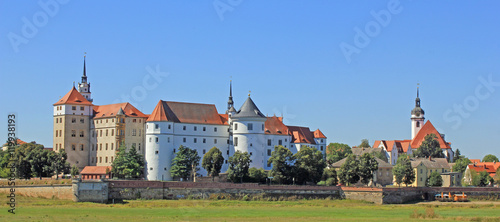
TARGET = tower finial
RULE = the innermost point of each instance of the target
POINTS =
(84, 77)
(418, 84)
(249, 91)
(230, 103)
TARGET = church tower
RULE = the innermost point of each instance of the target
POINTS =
(230, 104)
(84, 87)
(417, 117)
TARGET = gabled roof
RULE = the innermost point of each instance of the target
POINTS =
(301, 134)
(427, 129)
(95, 170)
(319, 134)
(433, 163)
(475, 160)
(249, 109)
(405, 145)
(73, 97)
(275, 126)
(186, 113)
(381, 163)
(112, 110)
(488, 167)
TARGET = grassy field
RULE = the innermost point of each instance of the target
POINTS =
(39, 209)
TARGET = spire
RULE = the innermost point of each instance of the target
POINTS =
(417, 110)
(230, 103)
(84, 77)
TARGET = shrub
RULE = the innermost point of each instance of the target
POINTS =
(331, 182)
(321, 183)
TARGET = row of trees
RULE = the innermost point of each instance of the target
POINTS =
(33, 160)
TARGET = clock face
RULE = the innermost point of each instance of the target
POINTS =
(418, 114)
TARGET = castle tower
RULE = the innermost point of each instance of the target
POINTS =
(72, 116)
(83, 86)
(248, 132)
(417, 117)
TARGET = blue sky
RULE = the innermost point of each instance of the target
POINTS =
(288, 53)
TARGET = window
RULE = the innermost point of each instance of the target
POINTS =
(227, 152)
(73, 133)
(82, 108)
(106, 120)
(262, 127)
(156, 139)
(73, 147)
(113, 145)
(57, 133)
(134, 120)
(215, 141)
(184, 139)
(150, 139)
(286, 140)
(204, 128)
(195, 128)
(92, 147)
(111, 159)
(183, 127)
(235, 126)
(251, 153)
(269, 142)
(73, 120)
(82, 120)
(156, 152)
(140, 132)
(168, 139)
(269, 152)
(418, 124)
(194, 140)
(106, 160)
(321, 148)
(280, 142)
(235, 141)
(174, 150)
(100, 159)
(81, 133)
(204, 151)
(227, 141)
(151, 168)
(100, 146)
(169, 126)
(250, 126)
(81, 147)
(268, 164)
(157, 126)
(57, 120)
(421, 171)
(73, 108)
(100, 133)
(226, 161)
(134, 132)
(106, 132)
(215, 129)
(204, 140)
(139, 146)
(106, 146)
(121, 132)
(112, 132)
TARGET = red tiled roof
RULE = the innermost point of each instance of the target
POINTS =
(186, 113)
(376, 144)
(488, 167)
(224, 118)
(111, 110)
(274, 125)
(73, 97)
(95, 170)
(427, 129)
(301, 134)
(319, 134)
(405, 145)
(18, 142)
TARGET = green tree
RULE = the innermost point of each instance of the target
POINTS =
(24, 159)
(212, 162)
(429, 148)
(74, 171)
(497, 176)
(490, 158)
(457, 155)
(59, 163)
(119, 164)
(134, 167)
(402, 171)
(257, 175)
(434, 180)
(364, 144)
(367, 165)
(309, 165)
(330, 177)
(185, 163)
(349, 171)
(461, 164)
(481, 179)
(381, 155)
(238, 166)
(282, 165)
(336, 152)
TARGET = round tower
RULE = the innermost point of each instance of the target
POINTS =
(248, 132)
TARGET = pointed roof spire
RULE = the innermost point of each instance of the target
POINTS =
(120, 112)
(84, 77)
(417, 110)
(249, 109)
(230, 103)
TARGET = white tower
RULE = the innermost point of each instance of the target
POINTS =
(248, 132)
(417, 117)
(84, 87)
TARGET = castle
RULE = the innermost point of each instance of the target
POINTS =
(91, 134)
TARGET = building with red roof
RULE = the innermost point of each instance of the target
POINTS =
(419, 130)
(490, 167)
